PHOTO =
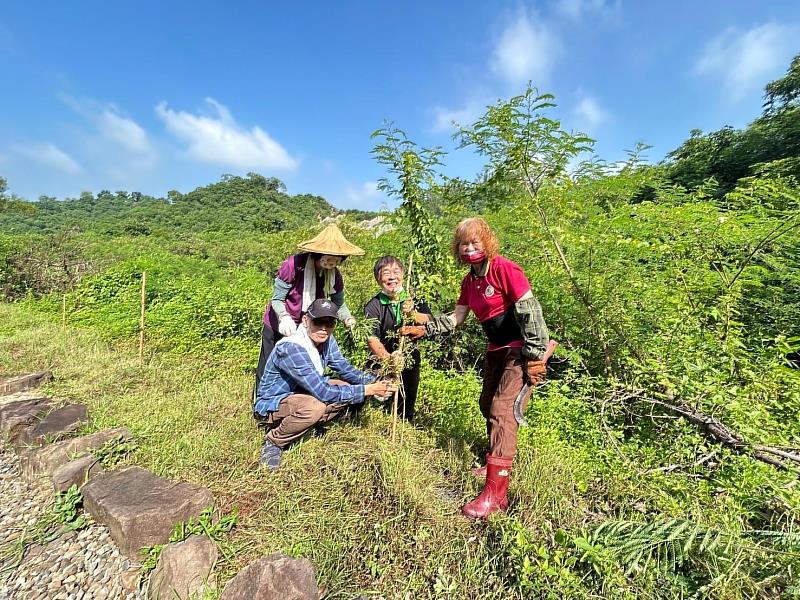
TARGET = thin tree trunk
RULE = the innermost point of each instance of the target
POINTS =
(579, 291)
(141, 318)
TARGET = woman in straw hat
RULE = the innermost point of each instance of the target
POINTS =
(302, 278)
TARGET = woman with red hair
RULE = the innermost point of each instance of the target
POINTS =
(497, 291)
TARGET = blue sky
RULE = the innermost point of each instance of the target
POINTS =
(151, 96)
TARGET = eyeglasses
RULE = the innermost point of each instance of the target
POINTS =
(327, 323)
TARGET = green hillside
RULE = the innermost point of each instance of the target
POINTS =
(251, 204)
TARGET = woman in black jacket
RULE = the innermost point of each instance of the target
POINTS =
(390, 308)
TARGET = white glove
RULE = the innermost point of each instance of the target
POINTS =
(286, 326)
(350, 323)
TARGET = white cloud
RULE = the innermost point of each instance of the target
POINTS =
(363, 194)
(589, 113)
(49, 155)
(577, 10)
(745, 61)
(526, 49)
(443, 118)
(218, 139)
(114, 127)
(126, 132)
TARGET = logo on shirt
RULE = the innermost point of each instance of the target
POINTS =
(489, 292)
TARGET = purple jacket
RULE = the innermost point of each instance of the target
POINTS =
(292, 272)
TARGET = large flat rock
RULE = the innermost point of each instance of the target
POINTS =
(42, 462)
(24, 382)
(141, 508)
(54, 426)
(16, 416)
(184, 570)
(276, 577)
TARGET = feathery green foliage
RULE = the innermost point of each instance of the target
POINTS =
(415, 171)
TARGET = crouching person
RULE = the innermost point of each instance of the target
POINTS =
(294, 395)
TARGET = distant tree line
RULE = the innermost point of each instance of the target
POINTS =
(253, 203)
(729, 154)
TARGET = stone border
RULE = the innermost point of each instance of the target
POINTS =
(132, 507)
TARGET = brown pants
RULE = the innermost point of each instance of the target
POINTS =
(297, 413)
(502, 382)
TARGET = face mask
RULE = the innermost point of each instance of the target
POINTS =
(326, 261)
(393, 293)
(474, 258)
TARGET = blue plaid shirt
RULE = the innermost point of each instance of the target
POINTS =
(289, 370)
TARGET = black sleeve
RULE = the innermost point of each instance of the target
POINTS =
(422, 307)
(373, 311)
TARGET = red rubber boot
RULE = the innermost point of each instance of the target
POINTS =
(494, 495)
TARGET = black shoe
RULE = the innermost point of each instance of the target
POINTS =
(270, 455)
(350, 414)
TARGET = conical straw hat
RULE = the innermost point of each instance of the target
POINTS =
(330, 241)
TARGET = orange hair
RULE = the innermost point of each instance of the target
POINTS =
(475, 227)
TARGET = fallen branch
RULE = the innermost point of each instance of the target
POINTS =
(675, 467)
(723, 434)
(778, 452)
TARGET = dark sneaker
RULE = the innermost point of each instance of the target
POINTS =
(350, 414)
(270, 455)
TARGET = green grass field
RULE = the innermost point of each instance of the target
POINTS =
(382, 518)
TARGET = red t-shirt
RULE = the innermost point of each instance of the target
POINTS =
(493, 294)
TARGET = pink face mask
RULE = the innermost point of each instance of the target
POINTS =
(474, 258)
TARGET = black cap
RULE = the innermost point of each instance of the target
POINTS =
(322, 308)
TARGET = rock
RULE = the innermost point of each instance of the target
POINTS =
(54, 426)
(129, 578)
(26, 395)
(20, 383)
(276, 577)
(40, 462)
(335, 219)
(69, 567)
(376, 225)
(76, 472)
(183, 569)
(141, 508)
(16, 416)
